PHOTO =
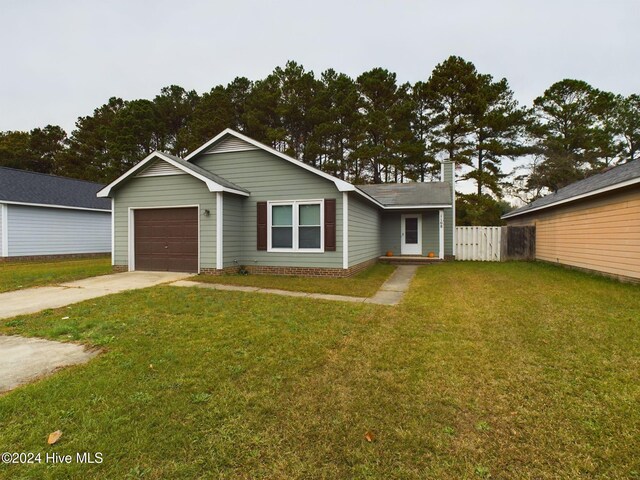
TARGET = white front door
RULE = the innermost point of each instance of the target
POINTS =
(411, 231)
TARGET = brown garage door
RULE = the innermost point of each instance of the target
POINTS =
(166, 239)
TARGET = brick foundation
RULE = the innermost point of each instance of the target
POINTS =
(224, 271)
(41, 258)
(293, 271)
(286, 271)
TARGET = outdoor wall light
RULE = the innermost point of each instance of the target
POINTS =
(206, 213)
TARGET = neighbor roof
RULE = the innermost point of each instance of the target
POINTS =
(215, 183)
(617, 177)
(21, 186)
(414, 194)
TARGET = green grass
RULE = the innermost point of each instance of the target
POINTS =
(17, 275)
(364, 284)
(511, 370)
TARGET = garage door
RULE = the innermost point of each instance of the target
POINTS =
(166, 239)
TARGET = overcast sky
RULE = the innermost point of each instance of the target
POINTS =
(62, 59)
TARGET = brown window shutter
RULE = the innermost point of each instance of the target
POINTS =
(262, 225)
(330, 224)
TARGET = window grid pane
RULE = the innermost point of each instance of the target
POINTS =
(309, 215)
(282, 237)
(282, 215)
(309, 237)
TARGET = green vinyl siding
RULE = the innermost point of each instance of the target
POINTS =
(165, 191)
(449, 220)
(391, 230)
(430, 233)
(233, 229)
(270, 178)
(364, 230)
(390, 236)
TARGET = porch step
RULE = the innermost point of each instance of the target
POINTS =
(408, 260)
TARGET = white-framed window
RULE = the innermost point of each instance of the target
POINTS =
(295, 226)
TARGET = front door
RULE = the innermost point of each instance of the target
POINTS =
(411, 231)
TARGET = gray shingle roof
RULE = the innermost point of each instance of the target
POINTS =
(410, 194)
(610, 178)
(30, 187)
(206, 173)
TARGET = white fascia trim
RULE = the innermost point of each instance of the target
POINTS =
(406, 207)
(211, 185)
(626, 183)
(219, 231)
(113, 232)
(4, 215)
(345, 230)
(341, 185)
(28, 204)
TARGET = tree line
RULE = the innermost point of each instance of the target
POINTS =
(369, 129)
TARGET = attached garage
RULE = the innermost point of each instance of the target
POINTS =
(166, 239)
(593, 224)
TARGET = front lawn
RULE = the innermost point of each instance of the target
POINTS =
(513, 370)
(17, 275)
(364, 284)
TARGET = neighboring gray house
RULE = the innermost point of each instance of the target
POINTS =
(46, 215)
(235, 201)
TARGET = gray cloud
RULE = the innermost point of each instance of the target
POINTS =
(62, 59)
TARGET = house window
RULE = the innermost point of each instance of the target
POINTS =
(296, 226)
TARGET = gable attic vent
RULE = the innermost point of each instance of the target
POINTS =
(231, 144)
(160, 168)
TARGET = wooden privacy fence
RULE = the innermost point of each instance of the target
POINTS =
(518, 243)
(478, 243)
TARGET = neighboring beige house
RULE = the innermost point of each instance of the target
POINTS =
(592, 224)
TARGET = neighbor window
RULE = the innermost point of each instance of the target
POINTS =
(296, 226)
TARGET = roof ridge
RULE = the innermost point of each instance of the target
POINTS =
(21, 170)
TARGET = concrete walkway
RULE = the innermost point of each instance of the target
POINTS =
(32, 300)
(26, 359)
(390, 293)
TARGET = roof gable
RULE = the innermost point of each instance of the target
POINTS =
(24, 187)
(215, 183)
(612, 179)
(160, 168)
(223, 136)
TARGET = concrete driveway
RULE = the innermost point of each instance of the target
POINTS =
(32, 300)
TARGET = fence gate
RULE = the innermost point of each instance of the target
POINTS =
(478, 243)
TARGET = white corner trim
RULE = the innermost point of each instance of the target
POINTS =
(4, 215)
(219, 231)
(441, 234)
(345, 230)
(131, 254)
(341, 185)
(113, 232)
